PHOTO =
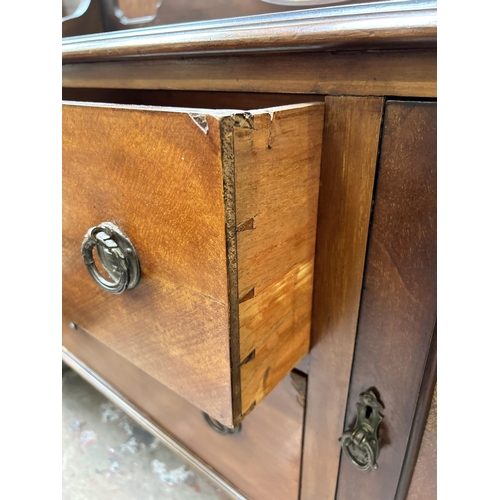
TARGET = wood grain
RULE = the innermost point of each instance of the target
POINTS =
(394, 25)
(350, 146)
(277, 164)
(158, 177)
(398, 309)
(263, 460)
(393, 73)
(181, 184)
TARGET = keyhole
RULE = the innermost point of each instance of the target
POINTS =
(368, 412)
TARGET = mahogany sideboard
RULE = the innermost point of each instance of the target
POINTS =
(249, 243)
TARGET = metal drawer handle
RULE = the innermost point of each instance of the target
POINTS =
(220, 428)
(117, 255)
(361, 444)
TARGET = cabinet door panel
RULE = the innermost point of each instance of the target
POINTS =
(398, 306)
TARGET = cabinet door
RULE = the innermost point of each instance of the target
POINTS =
(398, 303)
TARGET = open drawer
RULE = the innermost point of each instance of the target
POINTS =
(208, 236)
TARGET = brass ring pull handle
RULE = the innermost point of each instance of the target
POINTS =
(117, 255)
(361, 444)
(220, 428)
(362, 448)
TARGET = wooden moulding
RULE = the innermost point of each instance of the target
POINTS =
(225, 236)
(373, 25)
(393, 73)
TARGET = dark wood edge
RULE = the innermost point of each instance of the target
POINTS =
(399, 24)
(143, 420)
(419, 421)
(228, 177)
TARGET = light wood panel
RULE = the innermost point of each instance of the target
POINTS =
(350, 146)
(277, 164)
(393, 73)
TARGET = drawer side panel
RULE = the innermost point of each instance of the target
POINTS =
(277, 166)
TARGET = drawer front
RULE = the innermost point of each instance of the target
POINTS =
(262, 460)
(141, 171)
(221, 210)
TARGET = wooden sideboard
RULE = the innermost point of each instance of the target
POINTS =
(309, 140)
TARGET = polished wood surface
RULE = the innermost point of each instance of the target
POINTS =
(398, 307)
(263, 460)
(350, 147)
(392, 73)
(277, 180)
(213, 204)
(158, 177)
(397, 24)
